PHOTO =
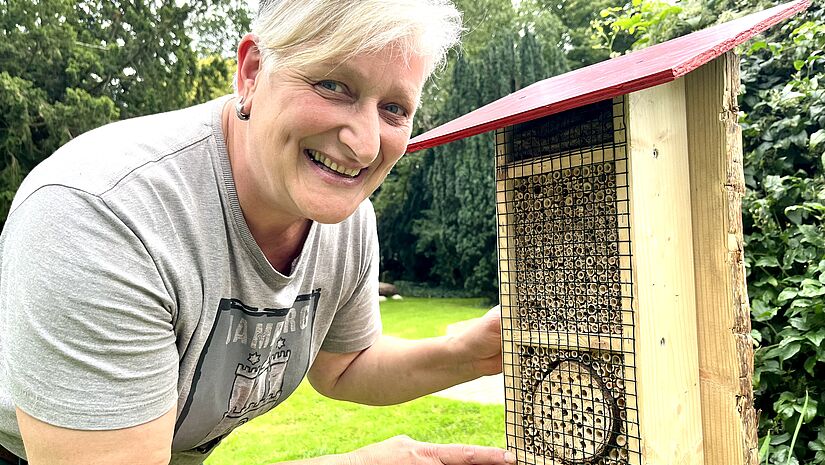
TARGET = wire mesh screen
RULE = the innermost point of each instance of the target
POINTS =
(566, 288)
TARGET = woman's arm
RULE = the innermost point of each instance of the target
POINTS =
(146, 444)
(397, 370)
(150, 444)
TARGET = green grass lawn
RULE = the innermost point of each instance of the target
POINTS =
(307, 424)
(416, 318)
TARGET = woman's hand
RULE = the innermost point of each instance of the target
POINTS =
(480, 344)
(402, 450)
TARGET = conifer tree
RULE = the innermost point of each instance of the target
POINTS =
(68, 67)
(459, 227)
(448, 210)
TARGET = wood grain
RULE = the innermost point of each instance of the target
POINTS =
(667, 370)
(723, 315)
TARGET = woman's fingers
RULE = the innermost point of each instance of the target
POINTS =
(461, 454)
(407, 451)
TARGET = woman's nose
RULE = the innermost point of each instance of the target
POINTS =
(362, 134)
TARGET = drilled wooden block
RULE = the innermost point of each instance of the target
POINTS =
(573, 405)
(566, 256)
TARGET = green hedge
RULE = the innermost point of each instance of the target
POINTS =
(783, 119)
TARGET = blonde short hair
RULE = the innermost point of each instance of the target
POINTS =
(296, 33)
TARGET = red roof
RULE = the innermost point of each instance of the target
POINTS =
(639, 70)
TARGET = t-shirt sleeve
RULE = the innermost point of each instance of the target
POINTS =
(86, 318)
(357, 324)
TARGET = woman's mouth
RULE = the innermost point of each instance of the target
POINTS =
(325, 163)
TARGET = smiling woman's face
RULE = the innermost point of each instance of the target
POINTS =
(323, 138)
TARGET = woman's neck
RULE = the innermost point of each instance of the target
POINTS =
(280, 237)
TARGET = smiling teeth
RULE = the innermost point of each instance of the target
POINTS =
(317, 156)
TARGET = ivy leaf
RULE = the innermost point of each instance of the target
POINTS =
(800, 324)
(811, 290)
(790, 335)
(810, 233)
(795, 279)
(817, 337)
(794, 213)
(784, 352)
(780, 438)
(774, 185)
(789, 405)
(789, 350)
(768, 261)
(756, 336)
(769, 366)
(809, 365)
(787, 294)
(810, 412)
(769, 280)
(762, 311)
(818, 444)
(801, 303)
(758, 45)
(817, 138)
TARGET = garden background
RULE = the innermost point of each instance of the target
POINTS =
(67, 67)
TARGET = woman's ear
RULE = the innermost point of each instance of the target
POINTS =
(249, 65)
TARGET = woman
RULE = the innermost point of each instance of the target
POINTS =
(168, 278)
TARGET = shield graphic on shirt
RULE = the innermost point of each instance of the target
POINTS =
(253, 359)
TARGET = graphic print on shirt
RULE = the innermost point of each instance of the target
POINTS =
(253, 359)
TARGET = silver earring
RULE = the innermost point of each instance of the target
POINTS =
(239, 111)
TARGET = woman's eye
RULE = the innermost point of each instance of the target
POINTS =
(396, 109)
(332, 86)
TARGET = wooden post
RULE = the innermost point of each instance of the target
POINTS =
(723, 313)
(667, 372)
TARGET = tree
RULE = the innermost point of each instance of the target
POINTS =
(549, 31)
(485, 21)
(442, 201)
(577, 39)
(457, 228)
(68, 67)
(408, 250)
(437, 227)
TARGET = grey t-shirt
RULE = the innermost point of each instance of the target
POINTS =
(130, 284)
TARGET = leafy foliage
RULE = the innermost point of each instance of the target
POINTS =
(68, 67)
(644, 21)
(575, 17)
(784, 117)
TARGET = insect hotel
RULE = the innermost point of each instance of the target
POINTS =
(625, 318)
